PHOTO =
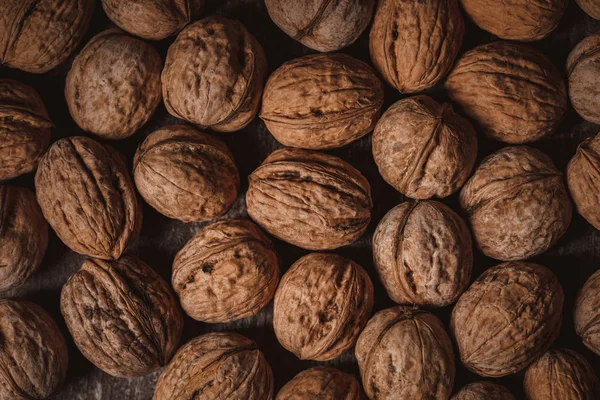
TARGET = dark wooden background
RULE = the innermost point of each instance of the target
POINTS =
(574, 259)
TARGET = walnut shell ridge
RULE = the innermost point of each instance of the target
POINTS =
(583, 71)
(586, 313)
(591, 7)
(323, 383)
(583, 179)
(483, 390)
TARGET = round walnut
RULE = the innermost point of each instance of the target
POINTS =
(405, 353)
(88, 198)
(587, 313)
(228, 271)
(37, 35)
(122, 315)
(113, 87)
(423, 149)
(217, 366)
(583, 71)
(483, 391)
(517, 204)
(312, 200)
(512, 92)
(398, 47)
(591, 7)
(583, 179)
(214, 75)
(186, 174)
(322, 304)
(323, 383)
(508, 317)
(33, 355)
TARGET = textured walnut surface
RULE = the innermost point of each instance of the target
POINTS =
(323, 383)
(591, 7)
(484, 390)
(583, 179)
(587, 314)
(583, 72)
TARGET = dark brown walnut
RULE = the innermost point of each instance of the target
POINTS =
(217, 366)
(113, 87)
(88, 198)
(413, 44)
(517, 204)
(591, 7)
(321, 101)
(483, 391)
(323, 383)
(583, 179)
(214, 75)
(511, 91)
(227, 271)
(587, 313)
(508, 317)
(33, 355)
(405, 353)
(122, 315)
(186, 174)
(322, 304)
(583, 71)
(312, 200)
(37, 35)
(423, 149)
(423, 254)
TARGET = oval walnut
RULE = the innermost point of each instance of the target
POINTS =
(583, 71)
(591, 7)
(323, 383)
(587, 313)
(483, 391)
(583, 179)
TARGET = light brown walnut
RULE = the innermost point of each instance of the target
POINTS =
(591, 7)
(583, 71)
(322, 383)
(587, 313)
(483, 390)
(583, 179)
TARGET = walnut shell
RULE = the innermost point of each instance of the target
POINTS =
(508, 317)
(227, 271)
(37, 35)
(321, 305)
(483, 391)
(405, 353)
(122, 315)
(583, 179)
(399, 51)
(586, 313)
(214, 75)
(217, 366)
(423, 149)
(186, 174)
(113, 87)
(511, 91)
(312, 200)
(33, 355)
(583, 71)
(591, 7)
(323, 383)
(517, 204)
(87, 197)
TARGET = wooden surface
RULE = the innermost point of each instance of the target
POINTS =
(574, 259)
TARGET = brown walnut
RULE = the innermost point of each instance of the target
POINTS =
(583, 179)
(323, 383)
(321, 305)
(583, 71)
(587, 313)
(591, 7)
(483, 391)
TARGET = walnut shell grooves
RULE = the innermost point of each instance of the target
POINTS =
(591, 7)
(583, 72)
(323, 383)
(586, 313)
(483, 390)
(583, 179)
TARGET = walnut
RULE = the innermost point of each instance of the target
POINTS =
(321, 305)
(583, 179)
(583, 70)
(312, 200)
(37, 35)
(517, 204)
(87, 197)
(321, 101)
(34, 355)
(587, 311)
(405, 353)
(591, 7)
(186, 174)
(508, 317)
(423, 254)
(424, 150)
(113, 87)
(217, 366)
(323, 383)
(483, 391)
(322, 25)
(413, 44)
(214, 75)
(511, 91)
(227, 271)
(122, 315)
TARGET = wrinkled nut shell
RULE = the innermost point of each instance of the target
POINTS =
(217, 365)
(321, 101)
(587, 313)
(583, 179)
(591, 7)
(323, 383)
(583, 71)
(483, 391)
(122, 315)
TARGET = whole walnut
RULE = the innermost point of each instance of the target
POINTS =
(413, 44)
(423, 149)
(483, 390)
(25, 129)
(583, 71)
(321, 101)
(88, 198)
(517, 204)
(587, 313)
(423, 254)
(591, 7)
(583, 179)
(323, 383)
(214, 75)
(37, 35)
(227, 271)
(33, 355)
(405, 353)
(122, 315)
(322, 25)
(186, 174)
(217, 366)
(321, 305)
(508, 317)
(511, 91)
(312, 200)
(113, 87)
